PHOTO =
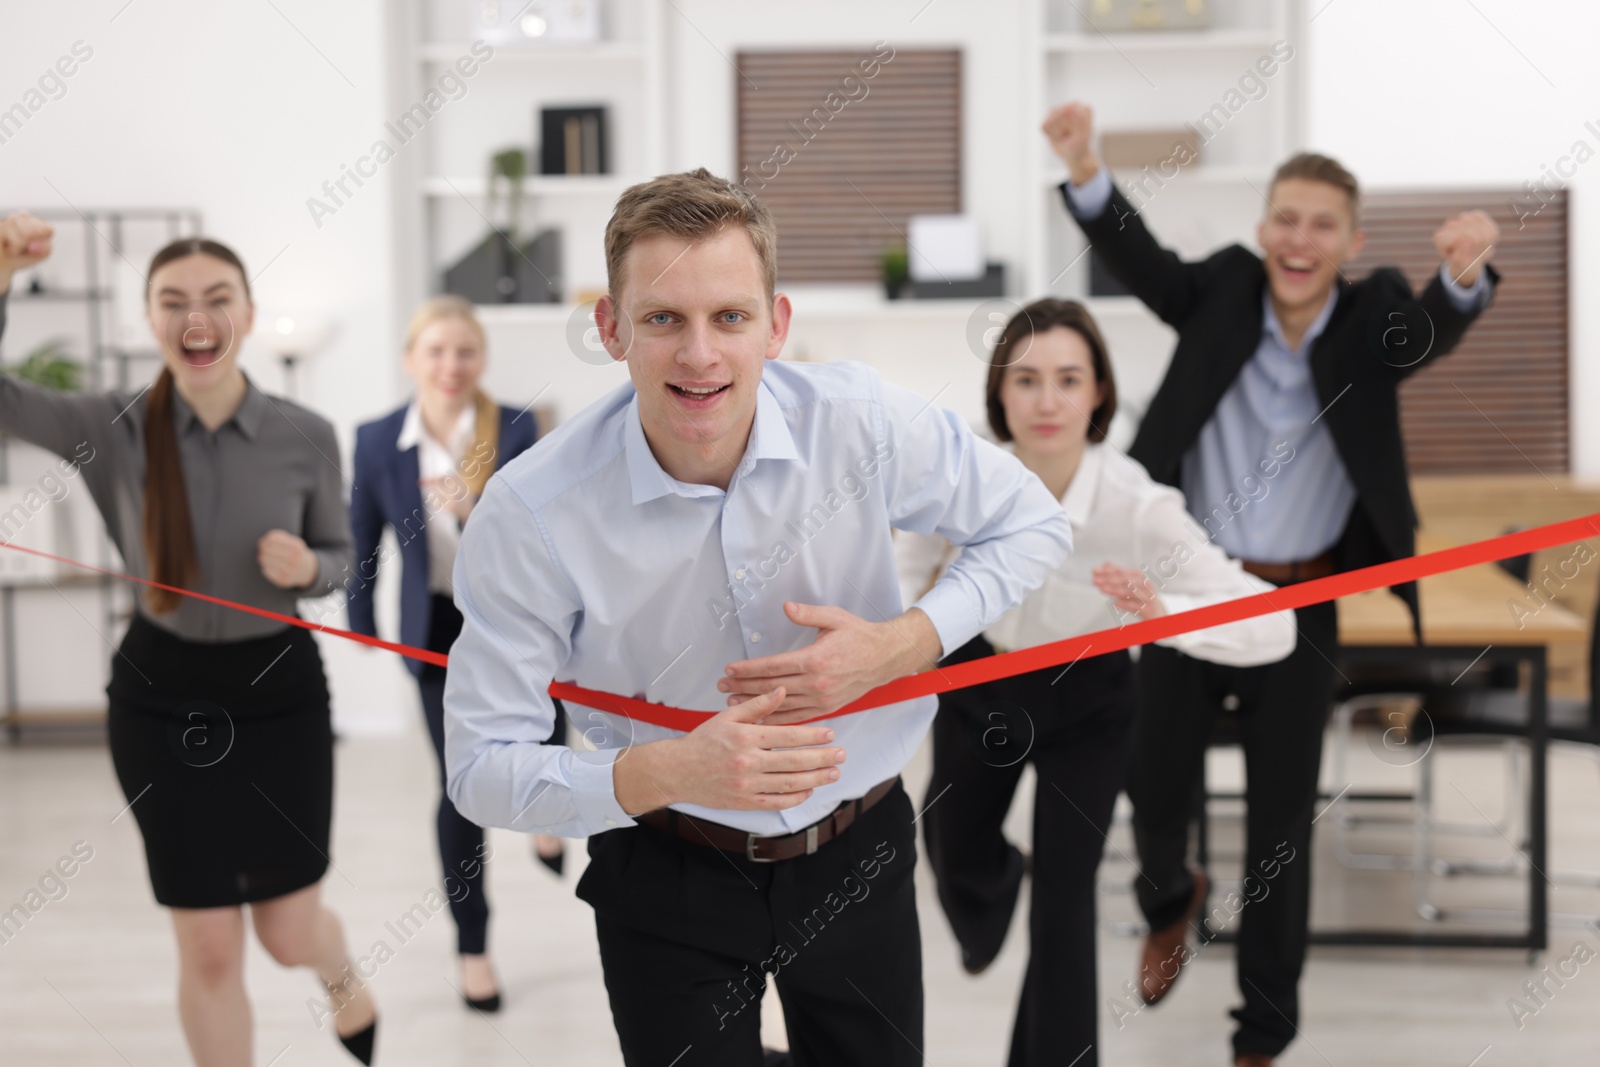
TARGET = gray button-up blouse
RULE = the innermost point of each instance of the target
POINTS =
(272, 465)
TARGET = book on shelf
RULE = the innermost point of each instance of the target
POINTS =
(572, 140)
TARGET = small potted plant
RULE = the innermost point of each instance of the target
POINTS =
(896, 265)
(48, 365)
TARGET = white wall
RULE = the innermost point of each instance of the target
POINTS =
(1437, 92)
(228, 108)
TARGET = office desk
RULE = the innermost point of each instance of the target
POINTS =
(1465, 607)
(1466, 619)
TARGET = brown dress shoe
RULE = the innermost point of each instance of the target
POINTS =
(1252, 1059)
(1166, 951)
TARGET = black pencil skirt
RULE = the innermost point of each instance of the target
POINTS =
(224, 751)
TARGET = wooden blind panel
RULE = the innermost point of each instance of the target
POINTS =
(1498, 403)
(855, 178)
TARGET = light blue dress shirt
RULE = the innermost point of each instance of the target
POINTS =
(1264, 476)
(586, 562)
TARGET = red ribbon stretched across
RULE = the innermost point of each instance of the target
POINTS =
(993, 668)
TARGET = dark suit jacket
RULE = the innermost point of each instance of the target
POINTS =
(1380, 332)
(386, 492)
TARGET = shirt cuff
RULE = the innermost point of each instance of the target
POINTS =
(1465, 297)
(952, 615)
(594, 793)
(325, 580)
(1089, 200)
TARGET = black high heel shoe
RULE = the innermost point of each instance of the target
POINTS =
(359, 1044)
(556, 863)
(490, 1003)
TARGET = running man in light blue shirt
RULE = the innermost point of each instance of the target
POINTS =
(716, 535)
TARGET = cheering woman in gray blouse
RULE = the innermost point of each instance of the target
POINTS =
(219, 723)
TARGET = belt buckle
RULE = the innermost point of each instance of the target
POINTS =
(751, 839)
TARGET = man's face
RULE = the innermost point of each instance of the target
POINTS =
(1308, 234)
(693, 324)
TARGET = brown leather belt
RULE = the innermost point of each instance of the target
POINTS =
(767, 848)
(1301, 570)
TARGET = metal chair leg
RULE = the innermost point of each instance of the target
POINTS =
(1422, 842)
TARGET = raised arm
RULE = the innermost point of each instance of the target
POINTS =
(1164, 283)
(1422, 329)
(71, 425)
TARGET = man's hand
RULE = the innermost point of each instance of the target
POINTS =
(734, 761)
(1464, 243)
(24, 241)
(286, 560)
(1070, 128)
(849, 657)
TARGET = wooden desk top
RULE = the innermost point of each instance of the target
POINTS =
(1465, 607)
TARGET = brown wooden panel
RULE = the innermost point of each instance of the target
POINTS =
(1498, 403)
(841, 179)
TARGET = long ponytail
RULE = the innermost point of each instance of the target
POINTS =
(168, 528)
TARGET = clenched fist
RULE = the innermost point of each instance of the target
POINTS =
(1070, 128)
(1464, 243)
(286, 560)
(24, 241)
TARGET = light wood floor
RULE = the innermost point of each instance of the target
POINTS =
(89, 980)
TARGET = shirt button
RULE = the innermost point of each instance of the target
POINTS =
(611, 822)
(755, 638)
(739, 573)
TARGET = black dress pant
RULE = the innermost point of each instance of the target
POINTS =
(689, 934)
(461, 845)
(1077, 730)
(1283, 710)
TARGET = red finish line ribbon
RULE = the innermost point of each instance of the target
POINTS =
(1005, 665)
(423, 654)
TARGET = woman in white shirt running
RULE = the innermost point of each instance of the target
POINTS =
(1136, 554)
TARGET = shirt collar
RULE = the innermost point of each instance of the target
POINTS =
(411, 429)
(1274, 329)
(1079, 497)
(769, 439)
(247, 416)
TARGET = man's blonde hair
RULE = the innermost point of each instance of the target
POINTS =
(1315, 167)
(692, 205)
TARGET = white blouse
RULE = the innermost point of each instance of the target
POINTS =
(437, 459)
(1121, 515)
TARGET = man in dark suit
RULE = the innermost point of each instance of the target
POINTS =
(1279, 419)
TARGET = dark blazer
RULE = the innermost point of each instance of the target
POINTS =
(1380, 332)
(385, 491)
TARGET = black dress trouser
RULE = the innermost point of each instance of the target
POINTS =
(689, 934)
(461, 845)
(1283, 710)
(1076, 727)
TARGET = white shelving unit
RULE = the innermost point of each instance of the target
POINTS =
(442, 185)
(1165, 79)
(1134, 81)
